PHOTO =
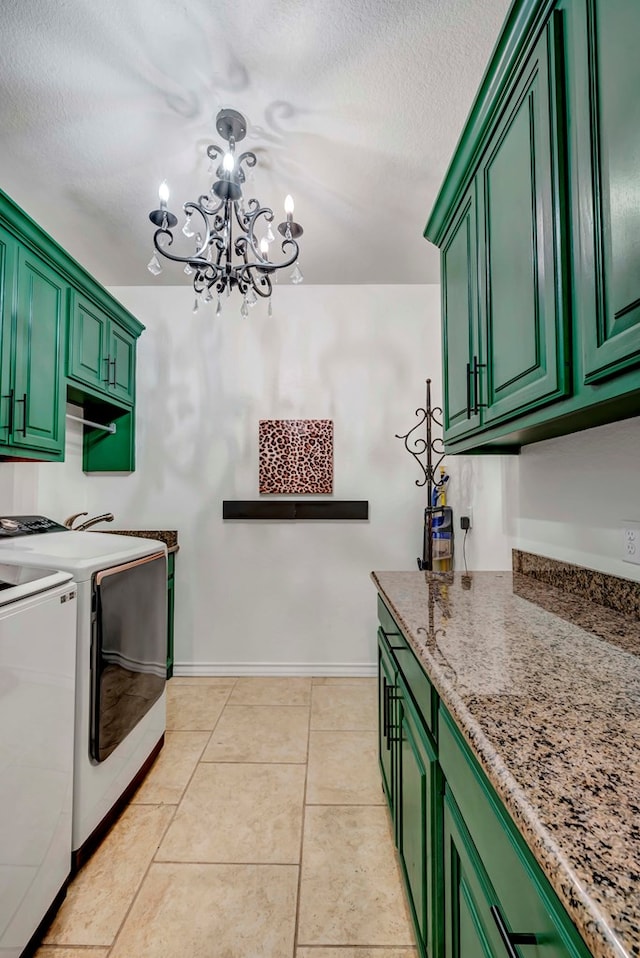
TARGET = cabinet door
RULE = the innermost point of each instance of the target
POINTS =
(522, 286)
(418, 799)
(88, 341)
(8, 248)
(468, 896)
(487, 864)
(459, 272)
(609, 191)
(386, 689)
(39, 397)
(122, 364)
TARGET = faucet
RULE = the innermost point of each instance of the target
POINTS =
(68, 522)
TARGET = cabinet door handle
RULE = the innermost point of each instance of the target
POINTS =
(24, 418)
(392, 696)
(510, 938)
(107, 363)
(468, 390)
(388, 701)
(9, 426)
(385, 711)
(477, 405)
(113, 363)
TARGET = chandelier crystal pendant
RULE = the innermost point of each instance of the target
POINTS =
(228, 253)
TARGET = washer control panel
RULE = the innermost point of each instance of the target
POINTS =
(11, 526)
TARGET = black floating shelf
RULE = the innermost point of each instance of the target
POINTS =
(295, 509)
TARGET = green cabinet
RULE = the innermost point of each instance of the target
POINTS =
(418, 812)
(468, 896)
(504, 316)
(47, 301)
(34, 301)
(101, 353)
(411, 784)
(537, 222)
(521, 271)
(607, 121)
(460, 332)
(171, 564)
(473, 886)
(494, 888)
(387, 730)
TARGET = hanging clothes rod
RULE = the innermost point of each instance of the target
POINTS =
(111, 427)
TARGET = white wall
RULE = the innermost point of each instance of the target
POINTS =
(277, 595)
(54, 489)
(576, 491)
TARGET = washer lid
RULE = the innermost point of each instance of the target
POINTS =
(80, 553)
(19, 582)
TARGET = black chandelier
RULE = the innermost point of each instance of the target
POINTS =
(221, 260)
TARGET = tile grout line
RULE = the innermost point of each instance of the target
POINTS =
(141, 882)
(163, 836)
(304, 815)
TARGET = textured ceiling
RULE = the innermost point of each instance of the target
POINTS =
(354, 107)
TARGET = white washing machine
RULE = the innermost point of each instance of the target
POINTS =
(37, 697)
(120, 709)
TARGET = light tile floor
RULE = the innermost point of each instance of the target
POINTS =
(260, 832)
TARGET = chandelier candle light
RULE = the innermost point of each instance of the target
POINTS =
(222, 261)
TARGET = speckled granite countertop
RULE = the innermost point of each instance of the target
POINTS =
(168, 536)
(545, 687)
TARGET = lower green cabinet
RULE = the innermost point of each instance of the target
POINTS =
(473, 886)
(410, 780)
(418, 812)
(171, 564)
(469, 929)
(494, 888)
(386, 720)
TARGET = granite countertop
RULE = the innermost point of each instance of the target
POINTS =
(168, 536)
(545, 687)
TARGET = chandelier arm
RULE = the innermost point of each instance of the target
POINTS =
(287, 262)
(205, 219)
(241, 218)
(248, 158)
(193, 259)
(214, 151)
(246, 276)
(250, 230)
(204, 200)
(206, 277)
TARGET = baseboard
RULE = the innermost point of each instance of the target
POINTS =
(338, 670)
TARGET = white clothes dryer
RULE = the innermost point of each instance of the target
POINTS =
(120, 710)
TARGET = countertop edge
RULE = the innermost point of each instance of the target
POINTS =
(585, 914)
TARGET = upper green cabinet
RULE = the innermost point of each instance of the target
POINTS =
(33, 336)
(538, 223)
(101, 353)
(62, 337)
(460, 320)
(521, 274)
(609, 186)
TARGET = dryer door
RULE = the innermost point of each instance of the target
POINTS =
(129, 649)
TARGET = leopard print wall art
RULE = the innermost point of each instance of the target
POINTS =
(296, 456)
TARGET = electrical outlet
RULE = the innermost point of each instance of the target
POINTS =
(631, 541)
(467, 513)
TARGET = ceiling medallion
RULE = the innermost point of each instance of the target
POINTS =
(228, 254)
